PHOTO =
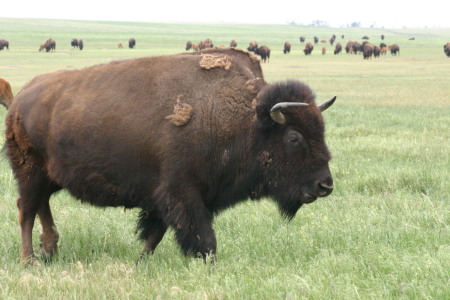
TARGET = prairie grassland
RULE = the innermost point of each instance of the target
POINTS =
(383, 233)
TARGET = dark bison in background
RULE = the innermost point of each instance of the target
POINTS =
(181, 148)
(308, 48)
(4, 44)
(287, 48)
(233, 44)
(263, 52)
(252, 46)
(302, 39)
(77, 43)
(6, 95)
(50, 45)
(395, 49)
(131, 43)
(447, 49)
(367, 50)
(316, 40)
(338, 48)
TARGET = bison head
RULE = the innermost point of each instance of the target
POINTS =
(290, 146)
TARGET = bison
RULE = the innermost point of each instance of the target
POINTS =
(338, 48)
(131, 43)
(376, 51)
(119, 45)
(6, 95)
(308, 48)
(302, 39)
(76, 43)
(253, 45)
(142, 134)
(263, 52)
(447, 49)
(324, 50)
(233, 44)
(367, 50)
(50, 45)
(4, 44)
(287, 48)
(395, 49)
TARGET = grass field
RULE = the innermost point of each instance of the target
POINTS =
(383, 234)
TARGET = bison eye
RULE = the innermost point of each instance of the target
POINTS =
(293, 138)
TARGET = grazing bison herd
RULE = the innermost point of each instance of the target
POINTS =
(365, 48)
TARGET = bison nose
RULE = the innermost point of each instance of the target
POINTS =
(325, 187)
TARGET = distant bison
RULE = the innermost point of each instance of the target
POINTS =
(4, 44)
(233, 44)
(6, 95)
(308, 48)
(316, 40)
(367, 51)
(395, 49)
(302, 39)
(324, 50)
(376, 51)
(190, 45)
(264, 52)
(447, 49)
(181, 148)
(131, 43)
(76, 43)
(50, 45)
(252, 46)
(338, 48)
(287, 48)
(119, 45)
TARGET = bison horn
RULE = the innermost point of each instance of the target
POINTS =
(276, 113)
(327, 104)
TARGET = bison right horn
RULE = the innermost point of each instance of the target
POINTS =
(276, 113)
(327, 104)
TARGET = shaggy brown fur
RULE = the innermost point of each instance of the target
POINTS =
(287, 48)
(6, 95)
(112, 144)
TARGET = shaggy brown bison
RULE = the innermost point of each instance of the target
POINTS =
(367, 50)
(316, 40)
(76, 43)
(302, 39)
(190, 45)
(119, 45)
(50, 45)
(4, 44)
(308, 48)
(287, 48)
(233, 44)
(252, 46)
(6, 95)
(131, 43)
(447, 49)
(263, 52)
(376, 51)
(395, 49)
(140, 133)
(324, 50)
(338, 48)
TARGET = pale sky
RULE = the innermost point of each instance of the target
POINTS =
(387, 13)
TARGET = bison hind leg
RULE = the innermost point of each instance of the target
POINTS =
(152, 230)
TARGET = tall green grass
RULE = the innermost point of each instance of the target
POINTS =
(383, 233)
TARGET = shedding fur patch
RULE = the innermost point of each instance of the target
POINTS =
(211, 61)
(254, 85)
(182, 113)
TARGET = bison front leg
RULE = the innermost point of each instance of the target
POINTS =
(184, 210)
(152, 231)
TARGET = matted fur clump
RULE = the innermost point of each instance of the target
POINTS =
(211, 61)
(182, 113)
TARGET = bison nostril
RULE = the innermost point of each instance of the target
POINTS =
(325, 189)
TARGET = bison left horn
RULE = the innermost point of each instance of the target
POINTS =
(276, 113)
(327, 104)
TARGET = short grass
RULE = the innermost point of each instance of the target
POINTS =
(383, 233)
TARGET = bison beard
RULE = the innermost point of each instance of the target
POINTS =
(243, 139)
